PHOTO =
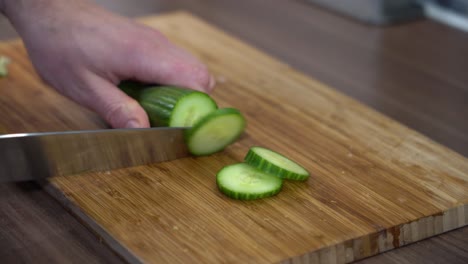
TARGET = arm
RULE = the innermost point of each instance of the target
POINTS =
(83, 51)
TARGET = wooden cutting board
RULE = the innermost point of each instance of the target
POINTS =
(375, 185)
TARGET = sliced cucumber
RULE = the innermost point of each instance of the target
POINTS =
(244, 182)
(274, 163)
(4, 61)
(215, 131)
(168, 105)
(211, 130)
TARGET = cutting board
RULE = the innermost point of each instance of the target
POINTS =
(375, 184)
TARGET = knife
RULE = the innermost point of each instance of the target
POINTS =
(35, 156)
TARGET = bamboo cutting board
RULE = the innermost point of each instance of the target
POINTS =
(375, 185)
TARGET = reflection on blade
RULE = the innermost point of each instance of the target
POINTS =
(42, 155)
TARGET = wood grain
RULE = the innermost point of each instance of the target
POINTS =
(376, 184)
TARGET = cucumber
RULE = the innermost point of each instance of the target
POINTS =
(244, 182)
(210, 129)
(132, 88)
(174, 106)
(170, 106)
(4, 61)
(276, 164)
(215, 131)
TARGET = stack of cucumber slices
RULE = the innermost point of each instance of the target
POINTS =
(212, 129)
(261, 175)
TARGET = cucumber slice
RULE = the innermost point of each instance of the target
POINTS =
(4, 61)
(169, 105)
(215, 131)
(274, 163)
(244, 182)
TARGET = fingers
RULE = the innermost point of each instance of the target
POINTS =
(165, 63)
(118, 110)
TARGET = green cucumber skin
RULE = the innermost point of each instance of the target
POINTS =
(246, 197)
(132, 88)
(159, 102)
(258, 162)
(207, 118)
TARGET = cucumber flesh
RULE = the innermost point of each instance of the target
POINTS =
(215, 131)
(276, 164)
(190, 108)
(244, 182)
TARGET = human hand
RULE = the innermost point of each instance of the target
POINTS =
(84, 51)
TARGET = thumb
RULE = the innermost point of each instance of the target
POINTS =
(118, 109)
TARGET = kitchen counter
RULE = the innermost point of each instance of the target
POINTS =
(414, 73)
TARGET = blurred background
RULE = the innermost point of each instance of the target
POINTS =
(453, 13)
(383, 12)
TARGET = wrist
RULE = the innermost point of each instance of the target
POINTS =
(18, 11)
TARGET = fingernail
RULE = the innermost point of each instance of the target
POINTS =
(132, 124)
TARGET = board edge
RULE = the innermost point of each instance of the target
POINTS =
(386, 239)
(96, 229)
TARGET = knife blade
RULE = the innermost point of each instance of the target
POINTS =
(35, 156)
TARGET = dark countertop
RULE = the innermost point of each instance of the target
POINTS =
(415, 73)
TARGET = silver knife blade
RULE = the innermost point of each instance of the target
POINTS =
(37, 156)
